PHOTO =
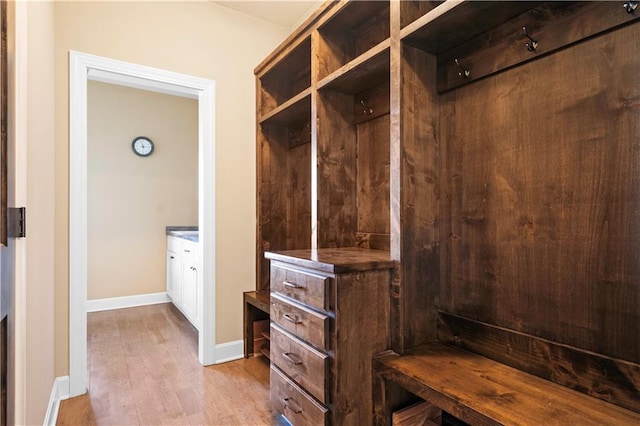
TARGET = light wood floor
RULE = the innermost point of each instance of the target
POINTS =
(144, 370)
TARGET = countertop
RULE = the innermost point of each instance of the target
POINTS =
(185, 232)
(335, 260)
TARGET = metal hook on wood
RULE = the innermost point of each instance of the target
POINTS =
(533, 44)
(366, 108)
(630, 6)
(464, 73)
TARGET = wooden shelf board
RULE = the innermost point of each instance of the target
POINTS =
(454, 22)
(295, 110)
(265, 352)
(367, 70)
(482, 391)
(260, 299)
(265, 335)
(335, 260)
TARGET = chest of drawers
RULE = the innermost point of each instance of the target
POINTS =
(329, 315)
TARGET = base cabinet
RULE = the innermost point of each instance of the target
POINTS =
(182, 277)
(329, 316)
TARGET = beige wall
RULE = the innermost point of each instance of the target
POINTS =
(40, 343)
(197, 38)
(132, 199)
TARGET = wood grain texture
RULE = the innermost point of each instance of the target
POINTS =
(335, 261)
(432, 31)
(372, 180)
(309, 325)
(554, 25)
(410, 10)
(307, 287)
(545, 197)
(337, 171)
(360, 329)
(350, 32)
(301, 362)
(368, 240)
(298, 406)
(416, 166)
(371, 103)
(290, 76)
(284, 210)
(484, 392)
(144, 369)
(256, 306)
(609, 379)
(367, 70)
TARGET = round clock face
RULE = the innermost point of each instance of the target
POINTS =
(142, 146)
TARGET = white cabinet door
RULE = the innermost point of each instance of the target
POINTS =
(174, 277)
(190, 289)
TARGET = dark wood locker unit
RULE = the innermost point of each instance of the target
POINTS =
(488, 149)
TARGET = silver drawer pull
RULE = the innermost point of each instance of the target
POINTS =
(291, 359)
(291, 285)
(288, 405)
(291, 319)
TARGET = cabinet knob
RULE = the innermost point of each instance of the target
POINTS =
(171, 257)
(193, 268)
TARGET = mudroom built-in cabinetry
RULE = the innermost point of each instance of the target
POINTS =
(469, 171)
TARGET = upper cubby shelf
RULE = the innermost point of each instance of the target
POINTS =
(352, 31)
(295, 110)
(453, 22)
(475, 39)
(367, 70)
(287, 79)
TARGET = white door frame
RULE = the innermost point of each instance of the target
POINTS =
(84, 67)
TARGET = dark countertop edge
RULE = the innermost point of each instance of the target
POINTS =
(331, 261)
(169, 229)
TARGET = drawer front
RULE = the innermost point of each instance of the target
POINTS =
(297, 406)
(174, 244)
(189, 248)
(305, 365)
(307, 324)
(308, 288)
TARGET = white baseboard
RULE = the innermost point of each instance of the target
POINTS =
(126, 302)
(59, 392)
(229, 351)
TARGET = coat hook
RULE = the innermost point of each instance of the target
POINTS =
(366, 108)
(464, 73)
(531, 47)
(630, 6)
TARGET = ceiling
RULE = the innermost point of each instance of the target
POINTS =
(284, 13)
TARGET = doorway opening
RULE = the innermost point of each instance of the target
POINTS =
(85, 67)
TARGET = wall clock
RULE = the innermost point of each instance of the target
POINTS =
(142, 146)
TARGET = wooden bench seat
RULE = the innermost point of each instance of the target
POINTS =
(481, 391)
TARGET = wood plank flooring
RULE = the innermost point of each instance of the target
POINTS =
(143, 369)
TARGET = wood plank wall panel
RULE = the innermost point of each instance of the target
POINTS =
(299, 197)
(419, 197)
(373, 175)
(410, 10)
(546, 201)
(284, 197)
(336, 186)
